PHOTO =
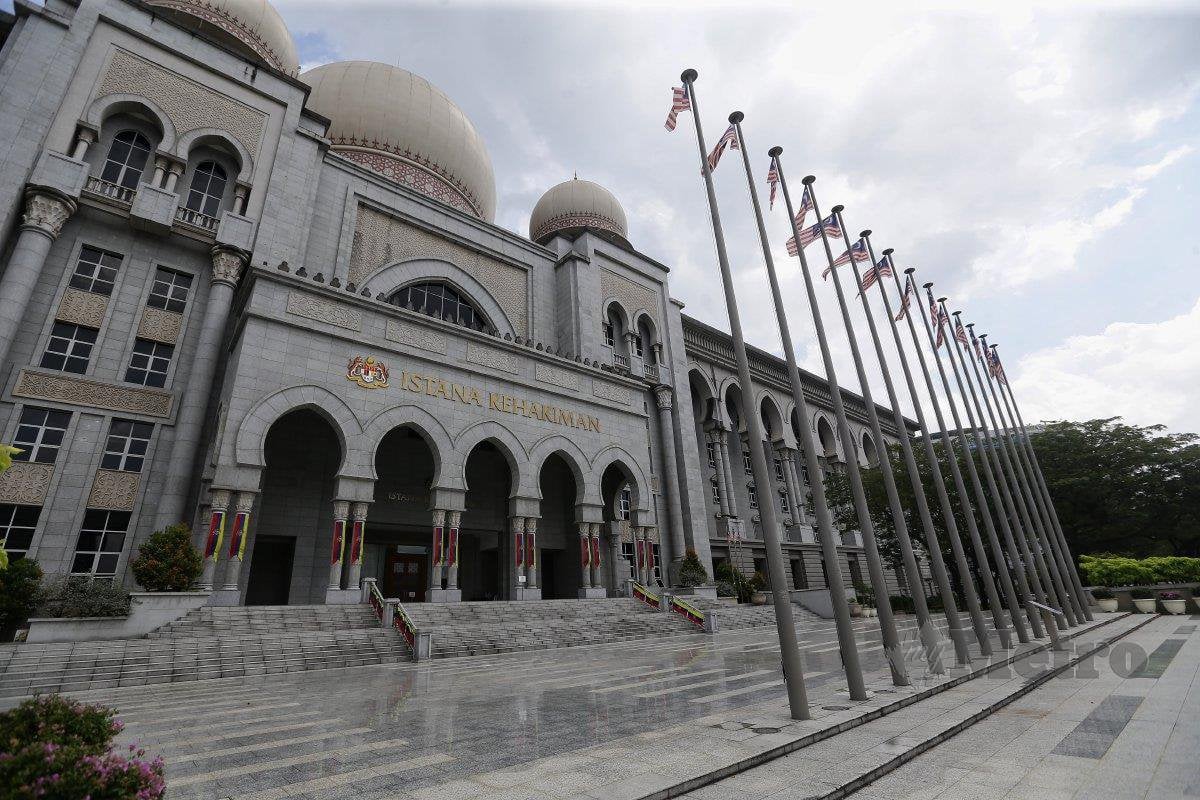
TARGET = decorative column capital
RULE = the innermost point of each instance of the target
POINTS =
(219, 499)
(439, 518)
(228, 264)
(341, 509)
(454, 519)
(518, 524)
(86, 133)
(531, 524)
(665, 397)
(244, 502)
(358, 511)
(46, 211)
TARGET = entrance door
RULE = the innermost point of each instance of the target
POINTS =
(271, 571)
(406, 577)
(548, 573)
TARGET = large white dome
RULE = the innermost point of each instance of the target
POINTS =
(251, 26)
(574, 205)
(403, 127)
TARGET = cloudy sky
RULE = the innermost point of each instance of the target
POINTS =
(1038, 165)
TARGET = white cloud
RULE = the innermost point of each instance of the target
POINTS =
(1145, 372)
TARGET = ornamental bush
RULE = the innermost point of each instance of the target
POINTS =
(691, 571)
(18, 590)
(52, 748)
(168, 561)
(1110, 570)
(80, 596)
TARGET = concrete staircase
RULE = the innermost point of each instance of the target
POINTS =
(470, 629)
(736, 616)
(208, 642)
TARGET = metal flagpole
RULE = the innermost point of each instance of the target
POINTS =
(1041, 479)
(887, 623)
(1046, 547)
(985, 571)
(998, 486)
(793, 674)
(981, 501)
(1025, 530)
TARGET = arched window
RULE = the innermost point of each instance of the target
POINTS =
(440, 300)
(127, 156)
(208, 187)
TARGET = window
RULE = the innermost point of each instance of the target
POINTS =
(753, 492)
(440, 300)
(40, 434)
(170, 290)
(17, 524)
(149, 363)
(610, 335)
(624, 501)
(69, 348)
(716, 491)
(779, 470)
(96, 270)
(784, 505)
(208, 187)
(127, 445)
(638, 345)
(126, 161)
(100, 542)
(712, 454)
(746, 462)
(804, 473)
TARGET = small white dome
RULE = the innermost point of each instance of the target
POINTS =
(403, 127)
(250, 25)
(574, 205)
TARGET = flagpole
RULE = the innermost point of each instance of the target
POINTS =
(1072, 572)
(985, 572)
(1047, 548)
(887, 622)
(1012, 601)
(1025, 530)
(998, 486)
(793, 674)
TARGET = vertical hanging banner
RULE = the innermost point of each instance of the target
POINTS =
(358, 533)
(216, 533)
(237, 540)
(339, 542)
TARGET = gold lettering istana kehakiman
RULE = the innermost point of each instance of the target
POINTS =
(433, 386)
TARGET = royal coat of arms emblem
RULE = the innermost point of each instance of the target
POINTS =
(367, 372)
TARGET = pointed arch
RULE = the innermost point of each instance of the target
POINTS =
(422, 423)
(508, 445)
(391, 277)
(639, 486)
(571, 453)
(251, 437)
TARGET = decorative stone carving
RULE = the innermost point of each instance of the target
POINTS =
(47, 212)
(415, 336)
(576, 219)
(322, 310)
(218, 499)
(406, 173)
(618, 394)
(231, 24)
(245, 502)
(113, 490)
(25, 483)
(665, 397)
(495, 359)
(159, 325)
(561, 378)
(227, 265)
(380, 240)
(93, 394)
(82, 308)
(189, 105)
(655, 484)
(632, 295)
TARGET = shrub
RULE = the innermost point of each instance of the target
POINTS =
(1141, 594)
(902, 603)
(1170, 596)
(691, 571)
(1116, 571)
(866, 595)
(57, 749)
(725, 589)
(77, 596)
(758, 582)
(167, 561)
(1102, 594)
(18, 589)
(1174, 569)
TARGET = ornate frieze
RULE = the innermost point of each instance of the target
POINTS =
(422, 179)
(82, 308)
(113, 490)
(47, 212)
(576, 219)
(558, 377)
(231, 24)
(322, 310)
(25, 483)
(495, 359)
(380, 240)
(618, 394)
(93, 394)
(632, 295)
(415, 336)
(159, 325)
(189, 105)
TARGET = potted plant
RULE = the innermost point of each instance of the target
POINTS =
(759, 585)
(866, 601)
(1173, 602)
(1144, 600)
(1105, 600)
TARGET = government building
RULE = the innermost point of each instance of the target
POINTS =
(274, 305)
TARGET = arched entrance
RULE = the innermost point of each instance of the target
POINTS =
(558, 531)
(398, 539)
(488, 559)
(618, 490)
(286, 565)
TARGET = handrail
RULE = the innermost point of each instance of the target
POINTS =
(375, 598)
(109, 190)
(646, 596)
(687, 611)
(196, 219)
(404, 624)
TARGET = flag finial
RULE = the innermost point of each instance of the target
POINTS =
(809, 180)
(889, 251)
(910, 270)
(837, 209)
(865, 233)
(953, 313)
(736, 117)
(928, 285)
(775, 151)
(942, 299)
(689, 75)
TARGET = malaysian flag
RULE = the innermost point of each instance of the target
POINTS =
(805, 206)
(996, 367)
(975, 342)
(881, 270)
(906, 298)
(773, 182)
(813, 232)
(679, 102)
(960, 333)
(857, 252)
(728, 139)
(939, 319)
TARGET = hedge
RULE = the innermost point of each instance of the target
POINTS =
(1121, 571)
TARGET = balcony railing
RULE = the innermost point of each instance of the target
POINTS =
(195, 219)
(621, 361)
(650, 371)
(112, 192)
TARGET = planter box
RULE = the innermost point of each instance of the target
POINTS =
(1145, 606)
(1175, 606)
(147, 611)
(709, 592)
(1109, 605)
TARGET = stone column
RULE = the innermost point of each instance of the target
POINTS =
(795, 501)
(358, 540)
(238, 533)
(727, 472)
(666, 422)
(337, 553)
(617, 560)
(799, 496)
(46, 212)
(219, 503)
(174, 171)
(517, 563)
(161, 164)
(714, 437)
(84, 138)
(437, 553)
(241, 194)
(585, 554)
(650, 536)
(453, 521)
(193, 402)
(597, 576)
(531, 558)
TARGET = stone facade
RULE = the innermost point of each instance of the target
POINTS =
(311, 430)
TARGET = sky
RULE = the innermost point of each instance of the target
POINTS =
(1038, 164)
